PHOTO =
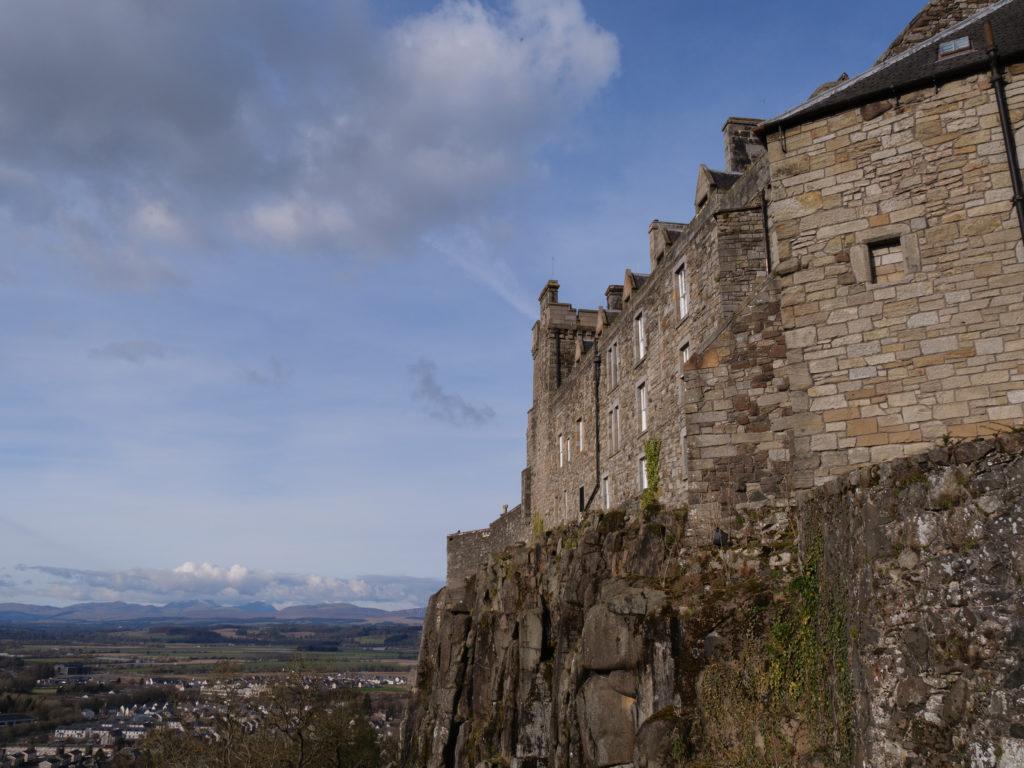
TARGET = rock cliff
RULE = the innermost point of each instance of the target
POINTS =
(877, 623)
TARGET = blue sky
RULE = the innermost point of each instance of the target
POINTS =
(268, 270)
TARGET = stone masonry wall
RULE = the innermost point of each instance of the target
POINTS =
(877, 624)
(722, 250)
(882, 369)
(469, 550)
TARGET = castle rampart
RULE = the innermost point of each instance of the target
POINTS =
(848, 292)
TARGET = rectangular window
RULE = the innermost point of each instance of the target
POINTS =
(684, 355)
(643, 473)
(681, 291)
(568, 449)
(615, 428)
(886, 262)
(682, 445)
(579, 433)
(613, 364)
(641, 338)
(606, 491)
(582, 499)
(641, 399)
(561, 451)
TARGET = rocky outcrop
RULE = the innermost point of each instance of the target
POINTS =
(877, 623)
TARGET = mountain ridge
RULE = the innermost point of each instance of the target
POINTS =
(201, 611)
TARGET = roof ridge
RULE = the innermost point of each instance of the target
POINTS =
(885, 64)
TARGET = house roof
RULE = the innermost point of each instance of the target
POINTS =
(920, 65)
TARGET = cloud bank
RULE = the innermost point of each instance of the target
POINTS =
(132, 127)
(235, 585)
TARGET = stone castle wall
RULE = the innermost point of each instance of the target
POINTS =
(853, 296)
(467, 550)
(882, 369)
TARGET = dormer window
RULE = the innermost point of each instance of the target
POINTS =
(953, 47)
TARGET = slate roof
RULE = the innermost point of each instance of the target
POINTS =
(920, 66)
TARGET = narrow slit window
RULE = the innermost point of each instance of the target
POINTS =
(606, 492)
(642, 403)
(561, 450)
(643, 473)
(579, 434)
(641, 338)
(613, 364)
(887, 262)
(582, 502)
(681, 291)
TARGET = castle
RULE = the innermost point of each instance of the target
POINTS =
(849, 291)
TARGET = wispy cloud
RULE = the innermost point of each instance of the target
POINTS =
(444, 406)
(232, 585)
(133, 351)
(272, 374)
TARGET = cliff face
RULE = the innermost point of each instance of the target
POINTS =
(878, 623)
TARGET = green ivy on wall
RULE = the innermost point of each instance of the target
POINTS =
(652, 455)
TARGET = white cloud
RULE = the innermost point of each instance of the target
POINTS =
(232, 585)
(198, 122)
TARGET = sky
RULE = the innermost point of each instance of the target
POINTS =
(268, 269)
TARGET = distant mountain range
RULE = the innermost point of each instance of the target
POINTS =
(200, 612)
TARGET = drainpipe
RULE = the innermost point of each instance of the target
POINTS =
(597, 426)
(767, 239)
(999, 84)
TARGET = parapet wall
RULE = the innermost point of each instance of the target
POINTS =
(468, 550)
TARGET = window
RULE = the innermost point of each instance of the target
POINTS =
(641, 398)
(681, 291)
(606, 491)
(682, 444)
(886, 261)
(641, 338)
(613, 365)
(684, 355)
(614, 428)
(951, 47)
(568, 449)
(582, 499)
(643, 473)
(561, 451)
(579, 433)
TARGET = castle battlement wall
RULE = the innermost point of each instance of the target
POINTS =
(849, 291)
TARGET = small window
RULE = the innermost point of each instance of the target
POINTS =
(579, 433)
(641, 398)
(582, 501)
(613, 428)
(684, 355)
(606, 491)
(643, 473)
(561, 450)
(886, 262)
(613, 364)
(682, 446)
(953, 47)
(681, 291)
(641, 338)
